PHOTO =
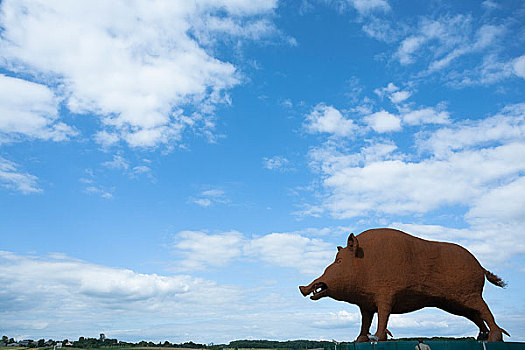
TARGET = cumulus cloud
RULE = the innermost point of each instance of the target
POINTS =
(474, 164)
(13, 178)
(399, 96)
(288, 250)
(393, 93)
(338, 319)
(200, 250)
(71, 289)
(30, 110)
(279, 249)
(396, 186)
(145, 70)
(505, 127)
(504, 204)
(389, 89)
(327, 119)
(427, 115)
(383, 121)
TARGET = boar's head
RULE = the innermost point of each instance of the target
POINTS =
(336, 281)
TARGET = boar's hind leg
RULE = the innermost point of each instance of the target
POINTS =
(366, 321)
(495, 332)
(475, 317)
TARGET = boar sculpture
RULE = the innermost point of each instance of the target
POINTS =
(391, 272)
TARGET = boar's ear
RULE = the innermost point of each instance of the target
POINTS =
(339, 248)
(353, 244)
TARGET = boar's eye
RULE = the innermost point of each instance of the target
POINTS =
(338, 261)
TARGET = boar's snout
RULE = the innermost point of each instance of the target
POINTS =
(319, 290)
(304, 290)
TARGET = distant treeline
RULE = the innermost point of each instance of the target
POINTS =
(89, 343)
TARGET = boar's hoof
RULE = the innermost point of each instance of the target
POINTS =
(495, 335)
(362, 339)
(483, 336)
(381, 336)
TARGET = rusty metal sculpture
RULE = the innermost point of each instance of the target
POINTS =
(391, 272)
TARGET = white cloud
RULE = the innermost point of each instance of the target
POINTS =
(66, 289)
(504, 204)
(203, 202)
(426, 116)
(383, 121)
(393, 93)
(408, 47)
(491, 70)
(142, 170)
(327, 119)
(199, 250)
(395, 186)
(289, 250)
(485, 36)
(519, 66)
(490, 4)
(399, 96)
(390, 88)
(134, 65)
(338, 319)
(447, 38)
(275, 163)
(93, 188)
(31, 110)
(212, 196)
(475, 164)
(12, 178)
(381, 29)
(99, 190)
(507, 126)
(118, 162)
(366, 6)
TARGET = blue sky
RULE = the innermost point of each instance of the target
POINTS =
(174, 170)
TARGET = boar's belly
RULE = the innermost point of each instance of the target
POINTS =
(412, 301)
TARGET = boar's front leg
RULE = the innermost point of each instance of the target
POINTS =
(383, 312)
(366, 321)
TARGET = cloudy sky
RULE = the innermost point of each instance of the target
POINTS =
(173, 170)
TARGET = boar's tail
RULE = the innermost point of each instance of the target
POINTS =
(494, 279)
